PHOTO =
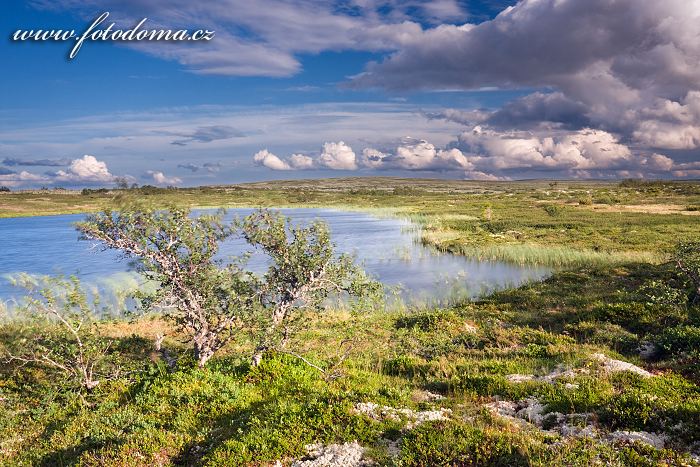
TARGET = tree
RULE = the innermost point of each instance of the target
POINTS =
(211, 301)
(303, 273)
(687, 260)
(206, 300)
(122, 183)
(69, 339)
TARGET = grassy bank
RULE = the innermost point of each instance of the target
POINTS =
(535, 350)
(536, 222)
(597, 365)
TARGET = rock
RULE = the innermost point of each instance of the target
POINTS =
(648, 350)
(503, 408)
(615, 366)
(653, 439)
(573, 431)
(333, 455)
(532, 411)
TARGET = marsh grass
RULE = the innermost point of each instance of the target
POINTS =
(553, 256)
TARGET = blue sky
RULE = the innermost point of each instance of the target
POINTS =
(297, 89)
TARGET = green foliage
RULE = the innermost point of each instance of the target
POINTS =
(64, 334)
(212, 302)
(586, 200)
(680, 340)
(448, 444)
(303, 273)
(206, 301)
(608, 334)
(687, 259)
(553, 210)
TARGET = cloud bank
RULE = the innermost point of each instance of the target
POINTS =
(629, 67)
(485, 154)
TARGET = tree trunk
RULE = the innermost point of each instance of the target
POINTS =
(202, 353)
(256, 359)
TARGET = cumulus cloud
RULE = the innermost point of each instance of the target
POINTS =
(669, 124)
(337, 156)
(85, 169)
(489, 154)
(585, 152)
(629, 67)
(16, 179)
(414, 154)
(301, 162)
(266, 159)
(161, 179)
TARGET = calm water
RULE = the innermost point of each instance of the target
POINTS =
(385, 246)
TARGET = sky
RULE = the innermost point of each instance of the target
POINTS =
(473, 89)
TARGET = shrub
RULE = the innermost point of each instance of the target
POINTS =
(585, 200)
(448, 444)
(303, 273)
(66, 335)
(678, 340)
(95, 191)
(210, 302)
(205, 301)
(4, 189)
(687, 259)
(612, 335)
(553, 210)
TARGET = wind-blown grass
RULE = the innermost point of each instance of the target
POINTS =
(553, 256)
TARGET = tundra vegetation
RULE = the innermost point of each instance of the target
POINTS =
(597, 365)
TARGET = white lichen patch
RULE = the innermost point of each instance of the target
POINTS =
(415, 418)
(656, 440)
(557, 374)
(333, 455)
(614, 366)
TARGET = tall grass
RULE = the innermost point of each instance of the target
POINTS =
(553, 256)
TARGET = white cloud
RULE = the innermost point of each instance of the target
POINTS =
(574, 153)
(264, 38)
(266, 159)
(301, 162)
(86, 169)
(416, 155)
(487, 154)
(629, 67)
(22, 178)
(670, 124)
(161, 179)
(337, 156)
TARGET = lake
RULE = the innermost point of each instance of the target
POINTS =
(386, 246)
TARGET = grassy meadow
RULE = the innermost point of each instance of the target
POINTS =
(597, 365)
